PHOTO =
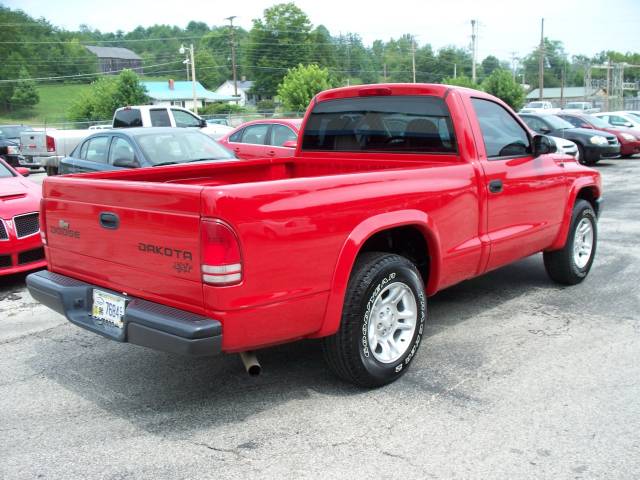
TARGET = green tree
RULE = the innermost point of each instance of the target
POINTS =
(106, 95)
(301, 84)
(489, 64)
(208, 72)
(25, 94)
(461, 81)
(277, 42)
(501, 84)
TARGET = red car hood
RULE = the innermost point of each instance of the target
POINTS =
(17, 196)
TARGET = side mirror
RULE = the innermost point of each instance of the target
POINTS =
(628, 124)
(545, 129)
(126, 163)
(543, 145)
(203, 123)
(290, 144)
(25, 172)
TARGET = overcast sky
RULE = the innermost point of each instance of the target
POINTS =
(584, 26)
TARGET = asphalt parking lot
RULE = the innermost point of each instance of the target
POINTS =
(518, 378)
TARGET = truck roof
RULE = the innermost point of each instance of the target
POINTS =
(434, 89)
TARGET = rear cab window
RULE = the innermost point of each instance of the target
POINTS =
(126, 118)
(393, 124)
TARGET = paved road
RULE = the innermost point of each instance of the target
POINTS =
(519, 378)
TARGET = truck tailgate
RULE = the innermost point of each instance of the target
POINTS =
(130, 238)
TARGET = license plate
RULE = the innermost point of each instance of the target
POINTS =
(108, 307)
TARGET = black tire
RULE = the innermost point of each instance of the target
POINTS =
(583, 157)
(560, 264)
(51, 170)
(348, 352)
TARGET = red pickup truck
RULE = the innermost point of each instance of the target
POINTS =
(395, 192)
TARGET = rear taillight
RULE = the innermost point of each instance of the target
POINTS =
(43, 222)
(221, 258)
(51, 144)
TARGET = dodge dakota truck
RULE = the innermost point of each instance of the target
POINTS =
(396, 191)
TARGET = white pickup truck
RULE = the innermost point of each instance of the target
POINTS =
(539, 107)
(580, 107)
(47, 147)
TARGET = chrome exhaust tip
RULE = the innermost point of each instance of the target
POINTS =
(251, 364)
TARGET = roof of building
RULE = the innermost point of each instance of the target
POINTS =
(569, 92)
(113, 52)
(242, 84)
(182, 90)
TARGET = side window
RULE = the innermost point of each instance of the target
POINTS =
(159, 117)
(576, 122)
(503, 136)
(97, 149)
(605, 118)
(235, 138)
(129, 117)
(617, 121)
(255, 134)
(281, 134)
(83, 151)
(121, 149)
(184, 119)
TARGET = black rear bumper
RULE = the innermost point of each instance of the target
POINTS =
(145, 323)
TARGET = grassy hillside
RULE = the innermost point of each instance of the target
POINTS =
(54, 103)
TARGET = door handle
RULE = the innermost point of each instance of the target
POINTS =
(495, 186)
(271, 153)
(109, 220)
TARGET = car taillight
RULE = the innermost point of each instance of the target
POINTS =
(43, 222)
(51, 144)
(221, 258)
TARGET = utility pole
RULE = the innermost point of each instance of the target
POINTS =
(413, 58)
(513, 64)
(233, 57)
(608, 82)
(384, 71)
(474, 48)
(348, 61)
(193, 75)
(455, 70)
(562, 75)
(541, 61)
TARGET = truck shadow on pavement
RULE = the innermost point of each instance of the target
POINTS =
(169, 394)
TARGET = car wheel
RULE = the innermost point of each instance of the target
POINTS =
(572, 263)
(582, 158)
(51, 170)
(383, 319)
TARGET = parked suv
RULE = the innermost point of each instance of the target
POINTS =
(593, 145)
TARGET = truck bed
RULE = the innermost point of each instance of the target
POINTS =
(252, 171)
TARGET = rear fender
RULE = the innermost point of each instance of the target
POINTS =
(579, 184)
(352, 247)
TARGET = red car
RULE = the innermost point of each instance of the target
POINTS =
(629, 138)
(20, 243)
(264, 138)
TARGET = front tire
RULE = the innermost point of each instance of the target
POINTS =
(572, 263)
(383, 319)
(51, 171)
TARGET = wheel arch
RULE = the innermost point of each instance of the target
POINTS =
(583, 189)
(399, 230)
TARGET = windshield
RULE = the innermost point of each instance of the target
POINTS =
(597, 122)
(13, 132)
(180, 147)
(556, 123)
(4, 171)
(535, 105)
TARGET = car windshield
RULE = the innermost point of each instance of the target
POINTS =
(4, 171)
(180, 146)
(597, 122)
(535, 105)
(556, 123)
(13, 132)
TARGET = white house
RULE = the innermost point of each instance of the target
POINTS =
(180, 93)
(244, 86)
